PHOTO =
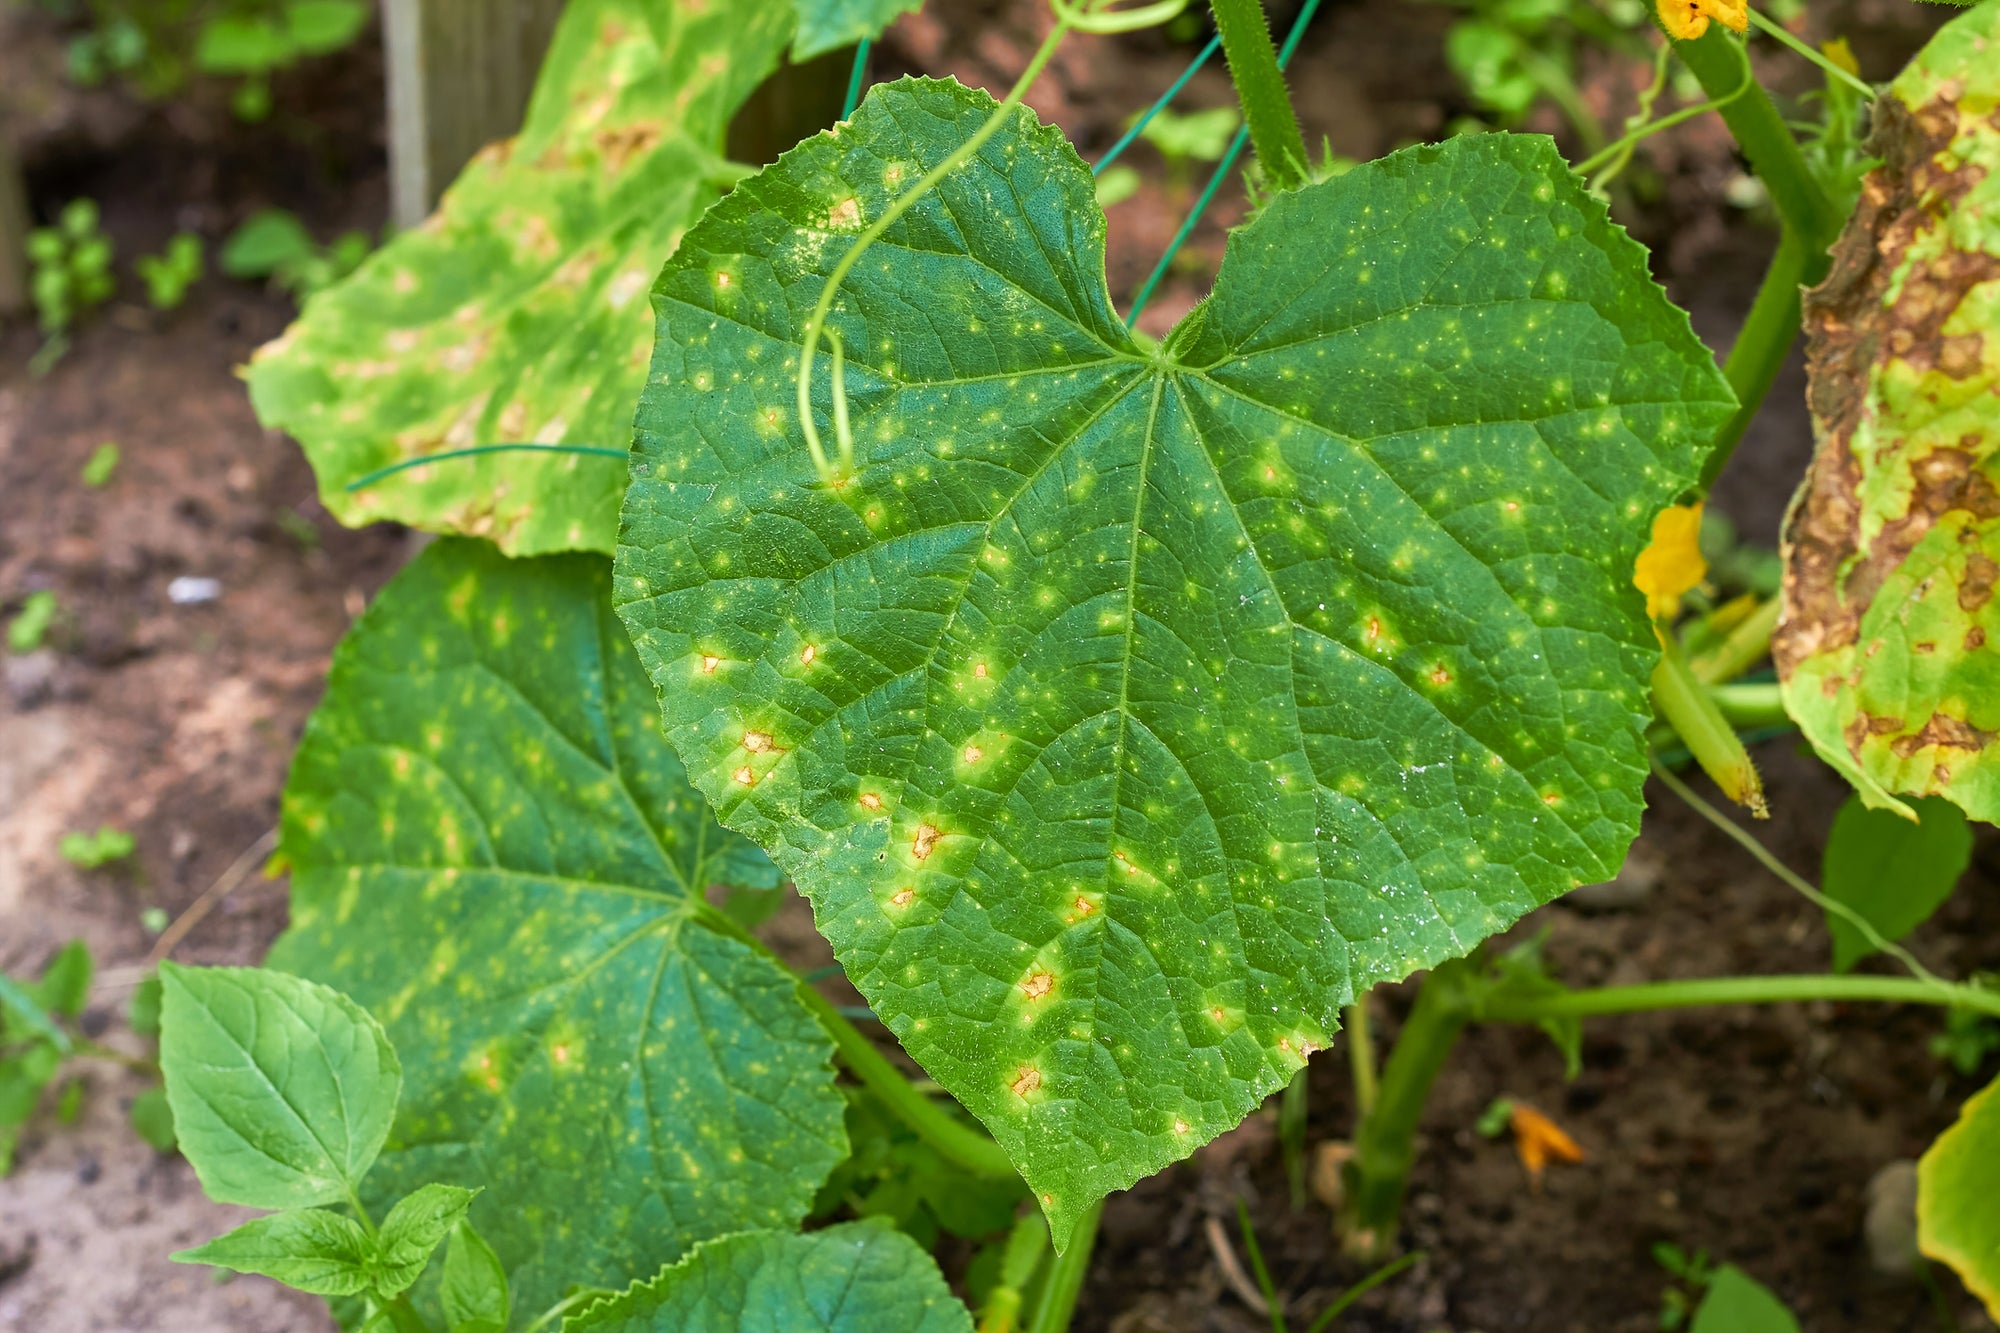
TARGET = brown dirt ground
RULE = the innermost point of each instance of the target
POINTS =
(1751, 1133)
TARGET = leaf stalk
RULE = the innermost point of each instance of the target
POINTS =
(1260, 87)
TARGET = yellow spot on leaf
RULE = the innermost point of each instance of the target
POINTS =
(806, 657)
(745, 776)
(925, 842)
(870, 801)
(1026, 1080)
(709, 663)
(1037, 984)
(903, 897)
(756, 742)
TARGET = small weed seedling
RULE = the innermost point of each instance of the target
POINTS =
(90, 851)
(1127, 708)
(72, 276)
(169, 274)
(97, 469)
(156, 48)
(275, 245)
(40, 1045)
(30, 625)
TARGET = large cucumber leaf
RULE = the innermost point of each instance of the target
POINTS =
(1889, 646)
(826, 24)
(1131, 710)
(1958, 1177)
(494, 850)
(514, 314)
(860, 1277)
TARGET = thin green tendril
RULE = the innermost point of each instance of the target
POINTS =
(592, 450)
(1634, 137)
(1834, 71)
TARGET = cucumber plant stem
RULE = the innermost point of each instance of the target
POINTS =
(1065, 1280)
(1761, 345)
(1702, 992)
(1260, 87)
(1375, 1177)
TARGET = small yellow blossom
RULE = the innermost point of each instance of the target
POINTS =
(1686, 20)
(1539, 1140)
(1671, 564)
(1840, 53)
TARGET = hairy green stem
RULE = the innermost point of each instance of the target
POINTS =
(1293, 1108)
(1705, 992)
(954, 1140)
(1717, 60)
(1361, 1054)
(932, 1123)
(1027, 1247)
(1260, 87)
(1762, 344)
(1065, 1280)
(1748, 706)
(957, 158)
(1385, 1142)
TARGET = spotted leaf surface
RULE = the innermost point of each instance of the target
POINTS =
(861, 1277)
(1129, 711)
(516, 314)
(1956, 1180)
(1887, 644)
(826, 24)
(495, 851)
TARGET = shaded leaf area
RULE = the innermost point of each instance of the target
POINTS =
(515, 313)
(827, 24)
(859, 1277)
(1130, 710)
(1886, 647)
(494, 849)
(1893, 871)
(1958, 1177)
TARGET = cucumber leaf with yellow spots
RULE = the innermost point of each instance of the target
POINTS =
(859, 1277)
(1889, 643)
(827, 24)
(494, 850)
(516, 313)
(1130, 709)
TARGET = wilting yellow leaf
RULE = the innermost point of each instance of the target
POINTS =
(1538, 1140)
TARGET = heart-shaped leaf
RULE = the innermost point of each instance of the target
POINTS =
(860, 1277)
(1132, 708)
(494, 848)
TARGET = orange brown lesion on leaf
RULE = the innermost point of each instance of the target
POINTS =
(1027, 1079)
(1038, 983)
(925, 841)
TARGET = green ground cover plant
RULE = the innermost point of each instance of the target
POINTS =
(1126, 708)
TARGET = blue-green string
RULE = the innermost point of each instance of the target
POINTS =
(854, 79)
(1222, 170)
(1139, 125)
(595, 451)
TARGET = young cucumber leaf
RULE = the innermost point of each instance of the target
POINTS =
(282, 1089)
(513, 316)
(474, 1290)
(860, 1277)
(1891, 870)
(64, 986)
(1129, 711)
(1738, 1303)
(827, 24)
(494, 848)
(1958, 1178)
(310, 1249)
(1886, 647)
(413, 1229)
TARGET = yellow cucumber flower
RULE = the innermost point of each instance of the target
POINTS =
(1671, 564)
(1686, 20)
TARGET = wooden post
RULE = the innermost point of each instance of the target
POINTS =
(14, 227)
(460, 72)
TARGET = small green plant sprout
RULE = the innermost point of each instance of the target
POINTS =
(1967, 1039)
(39, 1040)
(72, 276)
(169, 274)
(97, 469)
(1183, 139)
(1510, 54)
(274, 245)
(1689, 1274)
(1734, 1302)
(30, 625)
(1116, 184)
(254, 44)
(91, 851)
(282, 1094)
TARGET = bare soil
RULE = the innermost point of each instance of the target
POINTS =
(1750, 1133)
